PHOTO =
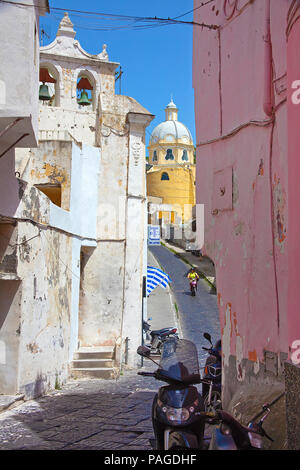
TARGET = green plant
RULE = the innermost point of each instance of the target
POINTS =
(57, 385)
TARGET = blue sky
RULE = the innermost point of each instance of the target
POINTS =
(156, 62)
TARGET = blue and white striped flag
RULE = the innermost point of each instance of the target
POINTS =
(156, 277)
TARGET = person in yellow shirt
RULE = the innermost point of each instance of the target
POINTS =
(192, 275)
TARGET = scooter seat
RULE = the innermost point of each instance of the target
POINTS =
(162, 332)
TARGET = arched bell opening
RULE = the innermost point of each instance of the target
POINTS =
(85, 92)
(49, 86)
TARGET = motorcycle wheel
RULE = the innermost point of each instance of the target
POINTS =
(182, 440)
(215, 402)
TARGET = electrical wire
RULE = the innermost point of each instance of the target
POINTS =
(18, 244)
(154, 21)
(194, 9)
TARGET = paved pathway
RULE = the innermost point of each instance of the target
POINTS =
(85, 415)
(197, 314)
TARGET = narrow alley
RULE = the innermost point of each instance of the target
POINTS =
(197, 314)
(111, 414)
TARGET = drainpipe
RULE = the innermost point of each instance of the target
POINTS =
(268, 109)
(126, 349)
(268, 92)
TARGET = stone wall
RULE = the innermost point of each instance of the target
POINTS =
(292, 387)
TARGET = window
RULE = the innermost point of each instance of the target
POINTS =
(165, 177)
(154, 158)
(169, 155)
(52, 191)
(184, 156)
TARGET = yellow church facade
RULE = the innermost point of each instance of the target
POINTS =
(172, 174)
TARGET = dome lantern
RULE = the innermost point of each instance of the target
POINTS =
(171, 111)
(171, 130)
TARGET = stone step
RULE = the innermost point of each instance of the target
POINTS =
(92, 363)
(104, 352)
(96, 373)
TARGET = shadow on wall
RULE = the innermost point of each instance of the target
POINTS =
(9, 334)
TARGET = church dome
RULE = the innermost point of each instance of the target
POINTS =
(171, 130)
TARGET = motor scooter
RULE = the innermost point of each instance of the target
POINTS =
(229, 434)
(211, 386)
(157, 337)
(193, 286)
(176, 419)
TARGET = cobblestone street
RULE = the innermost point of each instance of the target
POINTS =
(85, 415)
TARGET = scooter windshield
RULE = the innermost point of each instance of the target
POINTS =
(179, 361)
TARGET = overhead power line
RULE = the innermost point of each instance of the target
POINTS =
(194, 9)
(154, 21)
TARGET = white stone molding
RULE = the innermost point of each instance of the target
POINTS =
(103, 55)
(65, 45)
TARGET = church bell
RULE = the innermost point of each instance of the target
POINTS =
(84, 100)
(44, 93)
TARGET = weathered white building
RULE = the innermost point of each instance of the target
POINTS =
(23, 209)
(79, 245)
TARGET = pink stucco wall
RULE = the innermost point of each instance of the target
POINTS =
(293, 75)
(239, 80)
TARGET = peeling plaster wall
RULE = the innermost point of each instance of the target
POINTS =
(101, 295)
(50, 163)
(45, 309)
(20, 28)
(77, 168)
(10, 295)
(80, 124)
(120, 225)
(243, 153)
(38, 347)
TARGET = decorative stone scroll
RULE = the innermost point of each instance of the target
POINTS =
(103, 55)
(136, 152)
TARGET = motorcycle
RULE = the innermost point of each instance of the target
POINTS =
(176, 408)
(211, 386)
(231, 435)
(157, 337)
(193, 286)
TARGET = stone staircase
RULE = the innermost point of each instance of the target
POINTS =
(94, 363)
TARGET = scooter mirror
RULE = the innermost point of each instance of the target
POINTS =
(208, 337)
(143, 351)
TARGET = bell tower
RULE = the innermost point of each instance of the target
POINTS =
(71, 81)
